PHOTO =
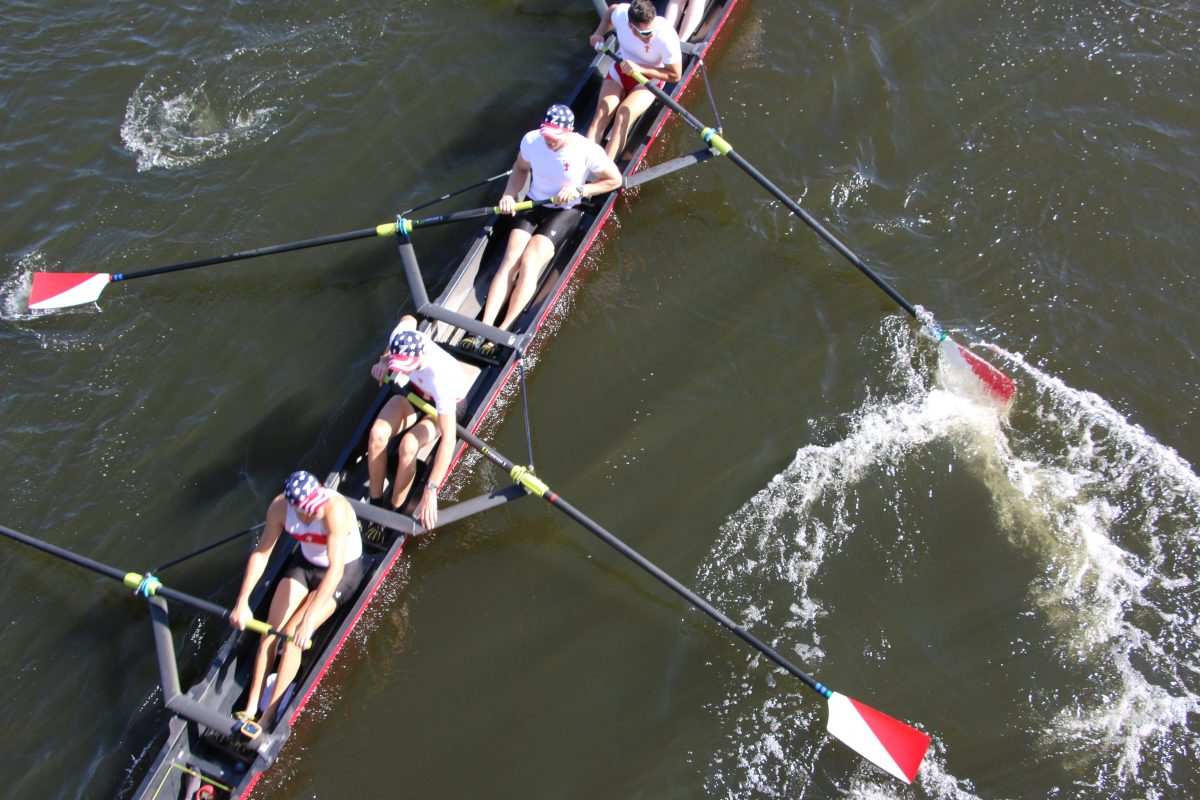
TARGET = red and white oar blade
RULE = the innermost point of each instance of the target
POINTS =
(62, 289)
(994, 382)
(886, 742)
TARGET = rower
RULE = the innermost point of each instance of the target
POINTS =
(645, 41)
(411, 358)
(561, 163)
(321, 573)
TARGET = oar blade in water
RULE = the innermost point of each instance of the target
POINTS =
(63, 289)
(886, 742)
(979, 371)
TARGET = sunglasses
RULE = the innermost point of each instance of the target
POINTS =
(644, 34)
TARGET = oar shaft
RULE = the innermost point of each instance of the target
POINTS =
(536, 486)
(712, 138)
(261, 251)
(66, 555)
(684, 592)
(133, 580)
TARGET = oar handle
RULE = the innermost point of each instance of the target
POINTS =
(536, 486)
(406, 226)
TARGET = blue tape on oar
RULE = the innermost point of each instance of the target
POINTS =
(148, 586)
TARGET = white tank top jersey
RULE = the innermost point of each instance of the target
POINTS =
(314, 537)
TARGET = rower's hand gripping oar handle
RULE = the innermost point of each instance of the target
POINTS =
(148, 585)
(404, 226)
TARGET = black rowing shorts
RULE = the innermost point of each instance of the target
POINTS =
(556, 224)
(300, 569)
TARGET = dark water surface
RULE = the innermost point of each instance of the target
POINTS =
(721, 390)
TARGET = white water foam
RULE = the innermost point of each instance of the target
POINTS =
(14, 292)
(1115, 517)
(1109, 512)
(203, 109)
(182, 116)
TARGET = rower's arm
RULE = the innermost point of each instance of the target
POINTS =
(607, 179)
(338, 520)
(447, 444)
(427, 508)
(257, 563)
(516, 182)
(604, 27)
(670, 73)
(520, 173)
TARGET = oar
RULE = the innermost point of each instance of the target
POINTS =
(888, 743)
(63, 289)
(145, 585)
(994, 381)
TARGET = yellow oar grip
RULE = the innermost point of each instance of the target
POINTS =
(420, 403)
(259, 627)
(401, 225)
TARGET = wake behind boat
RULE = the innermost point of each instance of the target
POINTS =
(209, 755)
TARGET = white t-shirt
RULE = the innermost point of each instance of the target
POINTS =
(554, 170)
(440, 379)
(660, 50)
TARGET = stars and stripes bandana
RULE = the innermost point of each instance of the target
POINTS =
(407, 347)
(305, 492)
(558, 121)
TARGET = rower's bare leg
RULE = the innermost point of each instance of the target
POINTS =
(288, 595)
(691, 16)
(610, 98)
(411, 443)
(397, 414)
(502, 283)
(632, 107)
(691, 19)
(537, 254)
(289, 661)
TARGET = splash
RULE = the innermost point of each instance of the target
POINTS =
(179, 117)
(1114, 516)
(1110, 516)
(207, 108)
(14, 292)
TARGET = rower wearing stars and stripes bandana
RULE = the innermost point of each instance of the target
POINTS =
(413, 361)
(560, 165)
(323, 572)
